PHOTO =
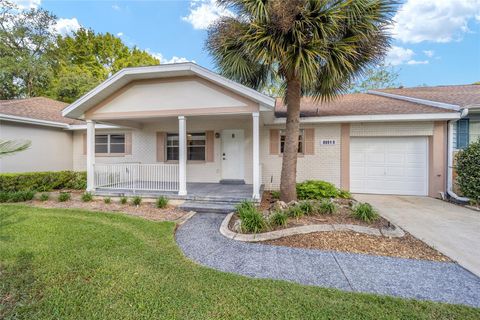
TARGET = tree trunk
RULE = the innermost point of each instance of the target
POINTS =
(288, 190)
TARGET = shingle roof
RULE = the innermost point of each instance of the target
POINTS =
(460, 95)
(38, 108)
(357, 104)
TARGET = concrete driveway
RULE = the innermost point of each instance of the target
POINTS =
(451, 229)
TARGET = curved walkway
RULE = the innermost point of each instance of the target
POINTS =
(201, 241)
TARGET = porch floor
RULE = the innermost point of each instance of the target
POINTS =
(195, 191)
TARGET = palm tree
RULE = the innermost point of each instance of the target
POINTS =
(315, 48)
(9, 147)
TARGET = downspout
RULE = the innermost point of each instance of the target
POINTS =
(451, 123)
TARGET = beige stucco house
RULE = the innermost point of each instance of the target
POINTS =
(170, 128)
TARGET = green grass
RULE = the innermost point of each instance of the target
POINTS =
(73, 264)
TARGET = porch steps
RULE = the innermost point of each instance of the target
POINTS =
(208, 206)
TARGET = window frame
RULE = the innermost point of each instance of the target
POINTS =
(189, 135)
(301, 141)
(109, 144)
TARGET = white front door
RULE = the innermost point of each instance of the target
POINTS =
(389, 165)
(233, 155)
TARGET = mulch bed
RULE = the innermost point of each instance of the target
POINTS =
(145, 210)
(349, 241)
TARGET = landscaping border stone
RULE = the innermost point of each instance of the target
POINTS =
(277, 234)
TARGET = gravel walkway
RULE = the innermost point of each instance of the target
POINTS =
(200, 240)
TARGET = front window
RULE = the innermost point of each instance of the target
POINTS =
(300, 141)
(474, 130)
(195, 146)
(110, 143)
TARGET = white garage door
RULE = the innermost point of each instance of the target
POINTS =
(389, 165)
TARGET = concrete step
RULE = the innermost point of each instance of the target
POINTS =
(207, 207)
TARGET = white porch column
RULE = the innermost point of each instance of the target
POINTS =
(182, 156)
(256, 156)
(90, 155)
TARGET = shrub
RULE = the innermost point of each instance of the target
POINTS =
(327, 206)
(307, 207)
(64, 196)
(468, 170)
(136, 200)
(44, 197)
(18, 196)
(275, 195)
(295, 211)
(252, 219)
(123, 200)
(43, 181)
(87, 197)
(162, 202)
(316, 190)
(365, 212)
(278, 218)
(107, 200)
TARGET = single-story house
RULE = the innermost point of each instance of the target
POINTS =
(167, 128)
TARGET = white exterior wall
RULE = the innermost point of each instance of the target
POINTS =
(324, 164)
(144, 144)
(51, 148)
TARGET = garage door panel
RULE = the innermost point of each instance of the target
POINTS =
(389, 165)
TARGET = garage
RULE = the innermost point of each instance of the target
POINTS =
(389, 165)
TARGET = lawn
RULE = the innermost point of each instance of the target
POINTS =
(73, 264)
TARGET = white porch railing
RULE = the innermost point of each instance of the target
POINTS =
(136, 176)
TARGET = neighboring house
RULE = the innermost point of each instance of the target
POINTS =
(39, 120)
(171, 127)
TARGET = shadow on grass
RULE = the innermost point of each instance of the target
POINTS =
(16, 284)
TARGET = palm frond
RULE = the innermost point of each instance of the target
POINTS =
(9, 147)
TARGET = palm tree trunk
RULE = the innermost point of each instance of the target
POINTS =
(288, 191)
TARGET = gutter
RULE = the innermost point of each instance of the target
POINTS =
(463, 114)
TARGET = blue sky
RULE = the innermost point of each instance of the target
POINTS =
(436, 42)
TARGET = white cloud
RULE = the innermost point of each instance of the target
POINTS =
(414, 62)
(205, 12)
(429, 53)
(27, 4)
(65, 26)
(119, 34)
(164, 60)
(116, 7)
(435, 21)
(398, 55)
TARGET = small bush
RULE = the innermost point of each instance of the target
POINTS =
(87, 197)
(136, 201)
(64, 196)
(162, 202)
(275, 195)
(44, 197)
(316, 190)
(365, 212)
(278, 218)
(327, 206)
(468, 170)
(307, 207)
(18, 196)
(252, 219)
(123, 200)
(295, 212)
(107, 200)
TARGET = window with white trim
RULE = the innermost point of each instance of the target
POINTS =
(113, 143)
(195, 146)
(300, 141)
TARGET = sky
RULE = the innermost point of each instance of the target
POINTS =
(436, 42)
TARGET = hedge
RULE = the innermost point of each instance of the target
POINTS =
(43, 181)
(468, 170)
